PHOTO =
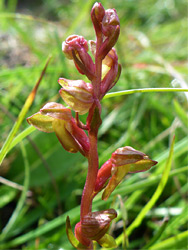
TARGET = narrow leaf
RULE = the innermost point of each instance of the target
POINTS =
(176, 242)
(22, 199)
(21, 116)
(181, 113)
(146, 90)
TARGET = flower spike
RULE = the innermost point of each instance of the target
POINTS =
(85, 98)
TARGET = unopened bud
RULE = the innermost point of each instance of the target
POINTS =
(95, 224)
(77, 94)
(110, 22)
(97, 15)
(76, 48)
(74, 43)
(99, 11)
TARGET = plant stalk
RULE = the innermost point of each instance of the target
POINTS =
(93, 163)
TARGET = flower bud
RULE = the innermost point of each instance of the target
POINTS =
(95, 224)
(76, 48)
(109, 43)
(77, 94)
(74, 43)
(126, 160)
(98, 11)
(110, 22)
(97, 15)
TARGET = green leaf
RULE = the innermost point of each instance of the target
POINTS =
(22, 114)
(176, 242)
(146, 90)
(157, 235)
(21, 136)
(183, 116)
(22, 198)
(7, 194)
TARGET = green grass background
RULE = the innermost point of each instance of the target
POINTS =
(152, 49)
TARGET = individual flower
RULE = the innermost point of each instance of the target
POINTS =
(97, 15)
(110, 22)
(76, 48)
(111, 71)
(124, 160)
(74, 43)
(77, 94)
(94, 226)
(54, 117)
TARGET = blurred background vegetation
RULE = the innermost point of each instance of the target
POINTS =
(152, 49)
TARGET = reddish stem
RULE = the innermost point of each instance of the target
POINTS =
(98, 67)
(87, 195)
(93, 162)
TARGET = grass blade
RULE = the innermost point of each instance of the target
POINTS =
(157, 235)
(21, 136)
(21, 201)
(21, 116)
(146, 90)
(176, 242)
(74, 213)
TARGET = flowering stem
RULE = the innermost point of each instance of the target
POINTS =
(98, 67)
(93, 162)
(87, 196)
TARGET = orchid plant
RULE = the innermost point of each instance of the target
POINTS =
(103, 73)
